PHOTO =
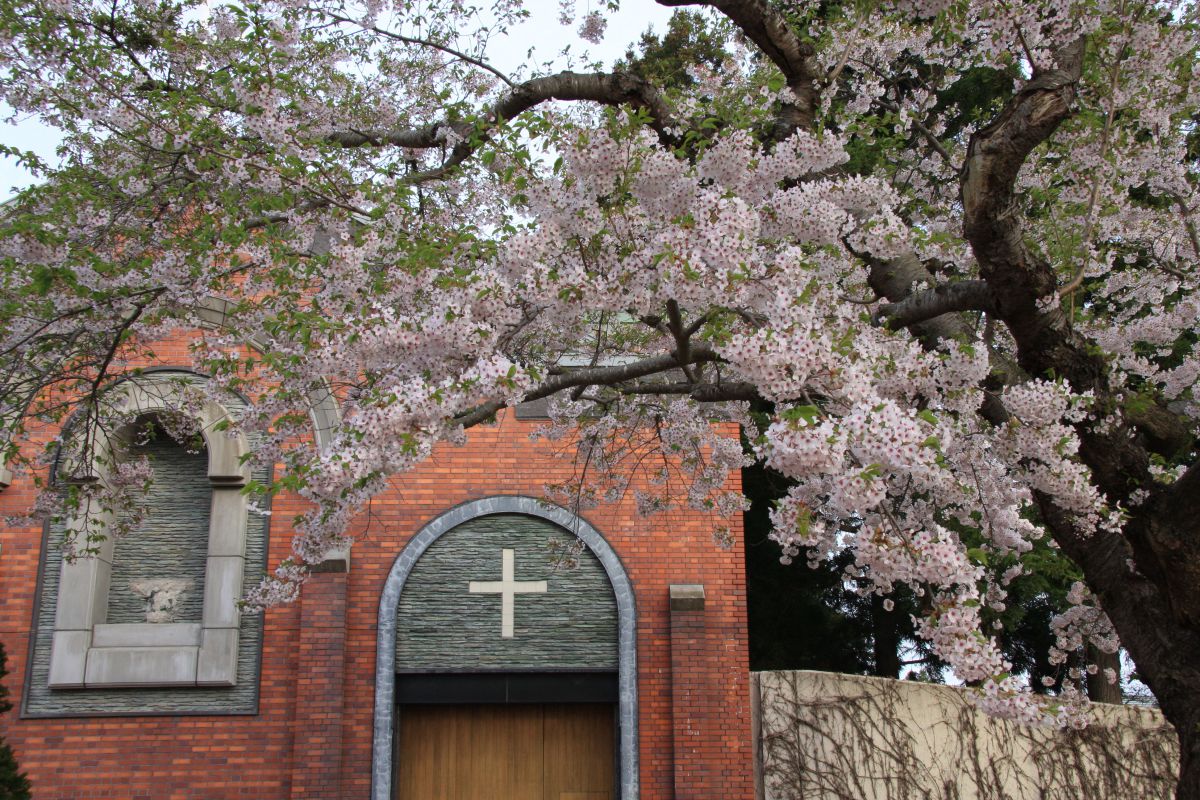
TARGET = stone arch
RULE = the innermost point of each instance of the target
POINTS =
(323, 409)
(153, 391)
(322, 405)
(389, 604)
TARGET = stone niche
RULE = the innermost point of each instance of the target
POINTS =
(157, 610)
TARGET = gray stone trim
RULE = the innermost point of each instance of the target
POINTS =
(687, 597)
(389, 604)
(157, 658)
(323, 409)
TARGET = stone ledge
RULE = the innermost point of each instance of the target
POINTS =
(68, 655)
(216, 663)
(141, 666)
(146, 634)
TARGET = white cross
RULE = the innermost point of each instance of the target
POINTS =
(508, 588)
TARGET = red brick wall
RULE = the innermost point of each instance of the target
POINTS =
(288, 748)
(704, 691)
(320, 674)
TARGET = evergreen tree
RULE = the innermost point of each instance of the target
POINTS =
(810, 618)
(13, 783)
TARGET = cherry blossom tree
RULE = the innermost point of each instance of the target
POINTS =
(938, 258)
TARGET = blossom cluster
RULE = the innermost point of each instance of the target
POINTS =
(382, 235)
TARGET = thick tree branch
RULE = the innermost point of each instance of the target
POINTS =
(764, 25)
(995, 154)
(1141, 613)
(683, 347)
(1147, 579)
(894, 279)
(944, 298)
(613, 89)
(1188, 224)
(701, 392)
(1020, 278)
(594, 376)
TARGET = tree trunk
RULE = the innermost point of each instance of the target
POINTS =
(885, 640)
(1189, 759)
(1099, 688)
(1172, 657)
(1164, 645)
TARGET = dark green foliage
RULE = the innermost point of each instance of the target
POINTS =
(690, 40)
(13, 783)
(136, 35)
(802, 618)
(1193, 140)
(977, 95)
(1033, 600)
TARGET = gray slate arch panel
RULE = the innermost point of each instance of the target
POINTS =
(389, 604)
(570, 622)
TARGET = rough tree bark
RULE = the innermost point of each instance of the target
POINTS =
(1099, 688)
(1154, 609)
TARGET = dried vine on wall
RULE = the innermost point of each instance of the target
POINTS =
(839, 737)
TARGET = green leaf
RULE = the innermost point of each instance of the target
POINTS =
(810, 414)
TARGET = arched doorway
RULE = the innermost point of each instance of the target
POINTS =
(506, 662)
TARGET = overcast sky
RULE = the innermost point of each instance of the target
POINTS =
(541, 31)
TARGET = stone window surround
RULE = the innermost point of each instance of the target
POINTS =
(323, 409)
(89, 652)
(383, 749)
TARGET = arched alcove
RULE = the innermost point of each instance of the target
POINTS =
(388, 624)
(89, 651)
(322, 406)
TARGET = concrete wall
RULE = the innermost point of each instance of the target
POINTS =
(823, 736)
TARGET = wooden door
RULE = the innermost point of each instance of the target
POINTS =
(502, 752)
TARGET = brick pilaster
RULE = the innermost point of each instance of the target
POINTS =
(320, 683)
(689, 700)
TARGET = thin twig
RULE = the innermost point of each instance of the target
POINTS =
(425, 43)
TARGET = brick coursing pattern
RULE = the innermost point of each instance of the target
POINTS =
(701, 738)
(320, 653)
(312, 733)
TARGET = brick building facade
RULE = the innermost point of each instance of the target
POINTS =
(312, 717)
